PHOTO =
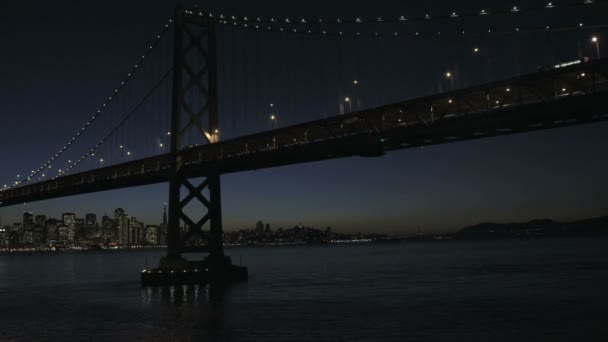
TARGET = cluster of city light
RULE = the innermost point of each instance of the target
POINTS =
(302, 20)
(95, 116)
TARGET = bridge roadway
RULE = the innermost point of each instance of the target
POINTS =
(558, 97)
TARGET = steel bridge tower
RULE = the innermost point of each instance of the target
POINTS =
(194, 115)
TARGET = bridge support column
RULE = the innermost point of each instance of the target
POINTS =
(179, 235)
(194, 119)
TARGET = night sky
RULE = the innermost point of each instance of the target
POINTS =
(60, 59)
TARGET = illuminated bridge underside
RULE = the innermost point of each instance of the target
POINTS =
(556, 98)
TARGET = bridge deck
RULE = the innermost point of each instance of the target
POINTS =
(565, 96)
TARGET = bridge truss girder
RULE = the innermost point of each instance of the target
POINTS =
(194, 114)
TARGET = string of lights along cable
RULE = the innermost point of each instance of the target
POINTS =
(92, 150)
(349, 26)
(483, 12)
(49, 163)
(422, 34)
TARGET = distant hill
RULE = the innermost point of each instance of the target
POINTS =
(543, 227)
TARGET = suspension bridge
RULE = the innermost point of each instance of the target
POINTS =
(193, 153)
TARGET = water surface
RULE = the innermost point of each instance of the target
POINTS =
(523, 290)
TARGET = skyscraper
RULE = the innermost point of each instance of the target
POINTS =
(151, 236)
(108, 230)
(134, 231)
(52, 234)
(122, 224)
(259, 228)
(62, 235)
(40, 230)
(27, 235)
(28, 220)
(69, 221)
(41, 220)
(91, 227)
(16, 234)
(79, 229)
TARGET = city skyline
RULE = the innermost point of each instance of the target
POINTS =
(39, 232)
(69, 230)
(85, 215)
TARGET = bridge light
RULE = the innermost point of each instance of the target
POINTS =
(355, 82)
(128, 153)
(160, 145)
(508, 90)
(596, 40)
(121, 146)
(476, 50)
(168, 133)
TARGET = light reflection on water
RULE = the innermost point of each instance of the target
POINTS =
(441, 291)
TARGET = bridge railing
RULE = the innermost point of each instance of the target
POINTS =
(545, 87)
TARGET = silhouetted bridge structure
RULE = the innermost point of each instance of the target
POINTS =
(561, 96)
